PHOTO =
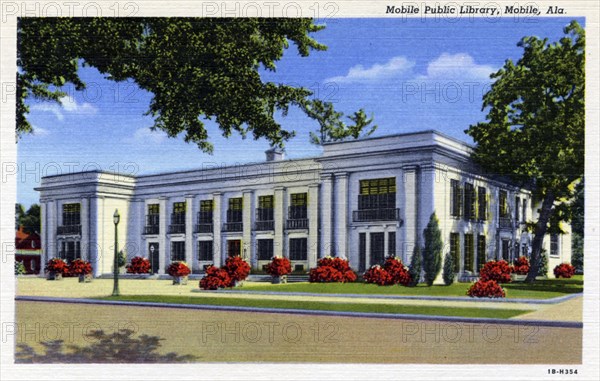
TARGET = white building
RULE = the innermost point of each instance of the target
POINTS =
(363, 199)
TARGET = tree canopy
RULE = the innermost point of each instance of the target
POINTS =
(30, 219)
(195, 68)
(534, 128)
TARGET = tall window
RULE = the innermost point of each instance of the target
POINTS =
(205, 250)
(264, 249)
(297, 209)
(178, 251)
(505, 249)
(481, 251)
(234, 213)
(206, 212)
(71, 214)
(178, 216)
(517, 209)
(152, 219)
(482, 203)
(524, 214)
(554, 246)
(265, 208)
(456, 194)
(455, 250)
(392, 244)
(469, 253)
(502, 204)
(70, 250)
(470, 210)
(377, 193)
(298, 249)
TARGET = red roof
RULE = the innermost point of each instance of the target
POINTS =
(25, 241)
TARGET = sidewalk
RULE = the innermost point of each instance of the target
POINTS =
(570, 310)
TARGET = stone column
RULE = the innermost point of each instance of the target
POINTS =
(313, 225)
(189, 230)
(247, 213)
(218, 248)
(52, 226)
(410, 209)
(85, 228)
(162, 236)
(341, 214)
(43, 236)
(326, 202)
(279, 215)
(94, 251)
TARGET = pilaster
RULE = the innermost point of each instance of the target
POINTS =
(313, 225)
(326, 202)
(341, 214)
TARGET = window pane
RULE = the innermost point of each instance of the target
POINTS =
(298, 249)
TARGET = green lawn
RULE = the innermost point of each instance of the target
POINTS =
(326, 306)
(541, 289)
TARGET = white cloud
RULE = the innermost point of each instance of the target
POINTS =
(456, 66)
(358, 73)
(68, 105)
(39, 131)
(145, 135)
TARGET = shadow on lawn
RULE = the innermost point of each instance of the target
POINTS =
(565, 286)
(119, 347)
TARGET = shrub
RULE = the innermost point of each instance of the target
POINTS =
(178, 268)
(57, 265)
(521, 266)
(325, 274)
(543, 267)
(330, 269)
(279, 266)
(139, 265)
(414, 270)
(397, 271)
(377, 275)
(448, 274)
(19, 268)
(237, 268)
(486, 289)
(215, 278)
(498, 271)
(564, 270)
(121, 259)
(432, 251)
(80, 267)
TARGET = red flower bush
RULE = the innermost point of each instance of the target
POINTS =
(237, 268)
(498, 271)
(398, 272)
(564, 270)
(486, 289)
(57, 265)
(178, 268)
(139, 265)
(332, 270)
(80, 267)
(215, 278)
(521, 266)
(279, 266)
(378, 275)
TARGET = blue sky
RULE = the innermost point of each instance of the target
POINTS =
(410, 74)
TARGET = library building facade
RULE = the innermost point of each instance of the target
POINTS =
(362, 200)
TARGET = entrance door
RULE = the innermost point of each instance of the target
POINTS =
(234, 247)
(377, 248)
(154, 255)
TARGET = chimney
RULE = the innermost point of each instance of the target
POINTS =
(275, 154)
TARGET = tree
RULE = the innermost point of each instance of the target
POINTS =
(415, 266)
(30, 220)
(432, 251)
(577, 225)
(331, 126)
(195, 68)
(448, 272)
(534, 128)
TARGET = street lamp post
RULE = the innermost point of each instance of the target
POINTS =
(116, 219)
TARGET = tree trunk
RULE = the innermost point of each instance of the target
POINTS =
(538, 238)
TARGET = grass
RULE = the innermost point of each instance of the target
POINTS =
(541, 289)
(326, 306)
